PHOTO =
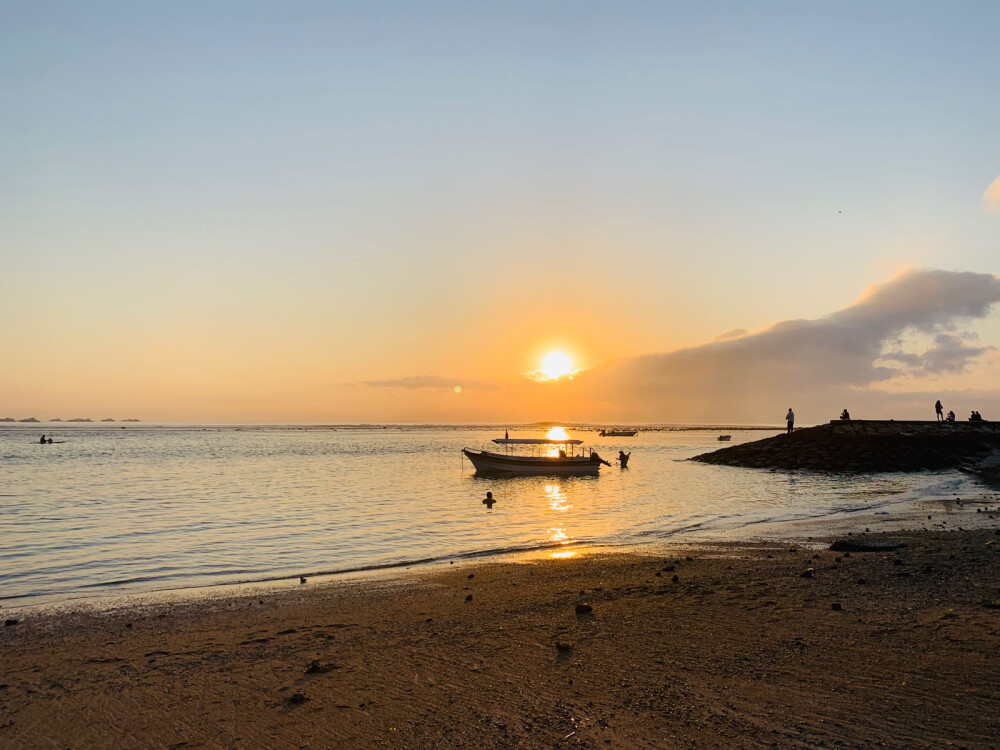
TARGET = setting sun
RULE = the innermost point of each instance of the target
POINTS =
(555, 365)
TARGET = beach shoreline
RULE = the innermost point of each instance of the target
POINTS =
(755, 643)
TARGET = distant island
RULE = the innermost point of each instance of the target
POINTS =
(131, 420)
(109, 419)
(29, 419)
(55, 420)
(8, 419)
(78, 419)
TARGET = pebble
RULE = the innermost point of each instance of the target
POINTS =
(584, 609)
(468, 598)
(9, 622)
(836, 607)
(807, 573)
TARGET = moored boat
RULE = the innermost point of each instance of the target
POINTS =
(488, 462)
(619, 433)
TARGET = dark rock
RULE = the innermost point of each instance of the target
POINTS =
(468, 598)
(836, 607)
(862, 581)
(862, 545)
(296, 699)
(564, 648)
(675, 579)
(316, 668)
(302, 579)
(584, 609)
(9, 622)
(471, 576)
(807, 573)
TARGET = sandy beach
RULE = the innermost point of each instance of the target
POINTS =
(734, 644)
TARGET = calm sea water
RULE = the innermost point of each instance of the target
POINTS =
(147, 508)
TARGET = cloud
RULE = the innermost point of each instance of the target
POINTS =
(432, 381)
(948, 355)
(736, 333)
(540, 376)
(991, 198)
(818, 363)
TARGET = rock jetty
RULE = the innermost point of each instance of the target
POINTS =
(867, 446)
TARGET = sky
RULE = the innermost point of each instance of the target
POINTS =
(322, 211)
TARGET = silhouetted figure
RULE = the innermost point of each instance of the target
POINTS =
(506, 435)
(488, 500)
(975, 417)
(42, 441)
(939, 410)
(790, 420)
(562, 453)
(950, 417)
(845, 414)
(49, 441)
(623, 458)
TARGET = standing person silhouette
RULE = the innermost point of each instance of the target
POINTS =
(939, 410)
(790, 419)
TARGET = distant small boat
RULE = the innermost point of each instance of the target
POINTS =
(724, 438)
(487, 462)
(619, 433)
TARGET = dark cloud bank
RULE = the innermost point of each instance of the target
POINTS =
(818, 366)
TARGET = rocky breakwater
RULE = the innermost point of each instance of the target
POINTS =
(869, 446)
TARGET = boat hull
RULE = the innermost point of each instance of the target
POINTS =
(497, 463)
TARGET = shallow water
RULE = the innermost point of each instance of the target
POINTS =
(149, 508)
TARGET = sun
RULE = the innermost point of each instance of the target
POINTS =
(555, 365)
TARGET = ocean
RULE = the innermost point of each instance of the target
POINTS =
(114, 511)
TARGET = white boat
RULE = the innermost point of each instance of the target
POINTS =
(487, 462)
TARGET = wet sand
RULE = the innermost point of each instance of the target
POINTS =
(753, 645)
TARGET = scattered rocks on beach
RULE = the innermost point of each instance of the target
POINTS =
(10, 621)
(863, 545)
(584, 609)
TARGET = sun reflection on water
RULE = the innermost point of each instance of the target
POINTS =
(557, 498)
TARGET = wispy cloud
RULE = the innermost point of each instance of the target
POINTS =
(815, 362)
(433, 381)
(991, 198)
(540, 376)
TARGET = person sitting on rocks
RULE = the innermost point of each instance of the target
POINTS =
(845, 414)
(950, 417)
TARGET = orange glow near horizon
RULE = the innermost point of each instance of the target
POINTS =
(557, 433)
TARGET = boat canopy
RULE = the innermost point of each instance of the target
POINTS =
(535, 441)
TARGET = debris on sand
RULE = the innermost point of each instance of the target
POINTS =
(864, 545)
